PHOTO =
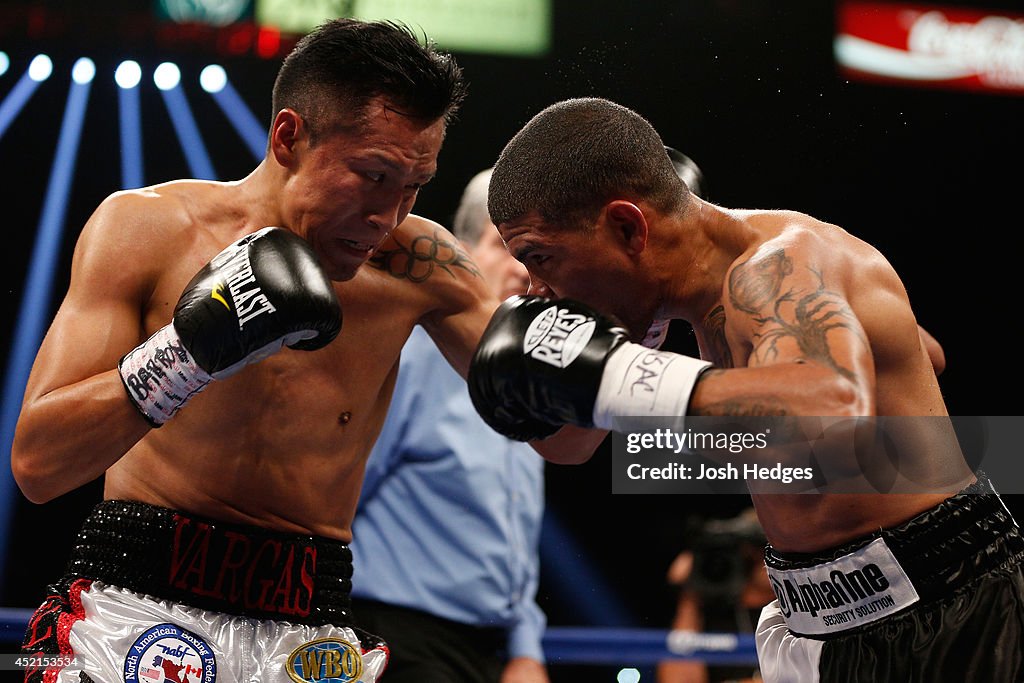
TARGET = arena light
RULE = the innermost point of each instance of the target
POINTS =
(40, 68)
(83, 71)
(628, 676)
(5, 62)
(167, 76)
(127, 77)
(184, 123)
(34, 313)
(213, 78)
(15, 100)
(128, 74)
(252, 132)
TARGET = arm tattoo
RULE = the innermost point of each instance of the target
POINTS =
(754, 285)
(714, 323)
(757, 289)
(765, 412)
(425, 253)
(763, 405)
(753, 405)
(814, 315)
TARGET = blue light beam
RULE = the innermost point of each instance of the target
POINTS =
(185, 127)
(127, 76)
(577, 580)
(19, 95)
(130, 115)
(35, 298)
(253, 134)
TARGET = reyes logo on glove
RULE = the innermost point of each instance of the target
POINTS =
(557, 336)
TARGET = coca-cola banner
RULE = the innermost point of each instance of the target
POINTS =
(928, 45)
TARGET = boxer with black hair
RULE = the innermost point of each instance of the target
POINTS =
(232, 422)
(793, 317)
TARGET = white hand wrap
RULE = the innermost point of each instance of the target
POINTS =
(639, 382)
(161, 376)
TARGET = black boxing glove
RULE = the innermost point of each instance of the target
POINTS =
(559, 362)
(262, 292)
(506, 422)
(539, 365)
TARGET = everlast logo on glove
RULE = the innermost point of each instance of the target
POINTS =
(557, 337)
(249, 299)
(851, 591)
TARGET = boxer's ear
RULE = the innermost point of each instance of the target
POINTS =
(629, 223)
(288, 128)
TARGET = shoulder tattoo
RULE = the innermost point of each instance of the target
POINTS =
(797, 313)
(422, 256)
(752, 285)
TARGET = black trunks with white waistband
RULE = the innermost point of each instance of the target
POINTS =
(924, 559)
(938, 598)
(217, 566)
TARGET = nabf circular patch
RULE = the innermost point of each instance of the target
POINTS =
(327, 660)
(168, 653)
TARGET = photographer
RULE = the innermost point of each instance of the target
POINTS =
(722, 587)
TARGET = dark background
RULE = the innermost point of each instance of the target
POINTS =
(749, 89)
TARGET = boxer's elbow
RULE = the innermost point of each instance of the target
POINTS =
(33, 484)
(33, 473)
(805, 388)
(570, 445)
(845, 397)
(562, 457)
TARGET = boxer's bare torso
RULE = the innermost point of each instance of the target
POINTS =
(806, 293)
(799, 317)
(282, 444)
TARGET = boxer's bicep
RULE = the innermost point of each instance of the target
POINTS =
(100, 318)
(808, 352)
(76, 419)
(454, 302)
(457, 333)
(794, 317)
(463, 306)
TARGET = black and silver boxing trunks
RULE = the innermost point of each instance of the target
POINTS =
(938, 598)
(154, 595)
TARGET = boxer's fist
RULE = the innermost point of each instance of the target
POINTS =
(262, 292)
(539, 364)
(519, 427)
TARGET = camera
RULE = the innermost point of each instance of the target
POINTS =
(724, 553)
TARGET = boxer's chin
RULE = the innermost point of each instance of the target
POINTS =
(342, 266)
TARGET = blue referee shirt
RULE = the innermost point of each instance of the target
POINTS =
(449, 517)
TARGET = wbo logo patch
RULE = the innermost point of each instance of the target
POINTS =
(167, 653)
(327, 660)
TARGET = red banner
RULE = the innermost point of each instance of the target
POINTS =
(960, 48)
